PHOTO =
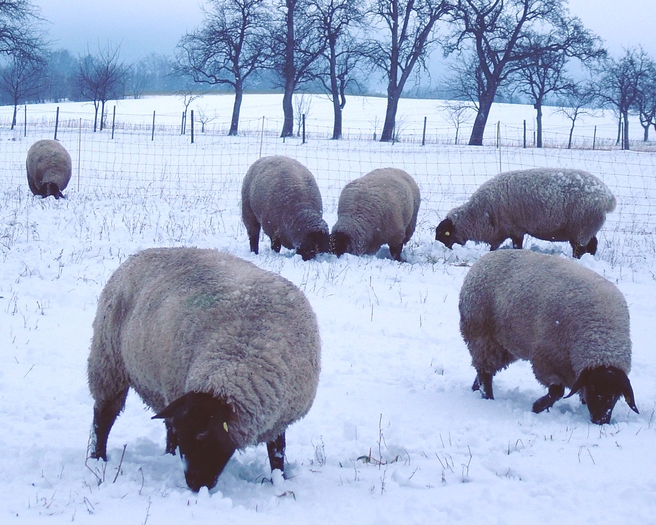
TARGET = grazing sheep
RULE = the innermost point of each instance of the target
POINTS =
(280, 195)
(48, 168)
(568, 321)
(226, 353)
(379, 208)
(549, 204)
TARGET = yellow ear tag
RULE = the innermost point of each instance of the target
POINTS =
(447, 233)
(225, 426)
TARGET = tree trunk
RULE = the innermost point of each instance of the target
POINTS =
(645, 136)
(95, 116)
(625, 139)
(236, 108)
(337, 125)
(288, 112)
(571, 133)
(102, 115)
(289, 73)
(484, 106)
(538, 109)
(13, 120)
(334, 93)
(390, 117)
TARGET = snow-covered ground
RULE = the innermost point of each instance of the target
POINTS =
(395, 434)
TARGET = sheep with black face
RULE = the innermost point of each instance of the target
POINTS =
(226, 353)
(568, 321)
(379, 208)
(548, 203)
(48, 167)
(280, 196)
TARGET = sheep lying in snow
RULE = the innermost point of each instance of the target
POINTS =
(379, 208)
(280, 195)
(549, 204)
(568, 321)
(226, 353)
(48, 168)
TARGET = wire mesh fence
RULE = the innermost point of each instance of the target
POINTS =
(132, 159)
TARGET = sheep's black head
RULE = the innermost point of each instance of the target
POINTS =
(340, 243)
(446, 233)
(200, 423)
(314, 243)
(600, 388)
(50, 188)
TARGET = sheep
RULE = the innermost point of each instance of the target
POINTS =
(379, 208)
(549, 204)
(280, 195)
(48, 167)
(568, 321)
(226, 353)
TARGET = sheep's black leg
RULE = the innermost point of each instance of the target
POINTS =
(483, 382)
(517, 242)
(276, 244)
(395, 252)
(104, 415)
(578, 250)
(276, 450)
(254, 239)
(556, 392)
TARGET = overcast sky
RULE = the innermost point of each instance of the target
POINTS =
(142, 27)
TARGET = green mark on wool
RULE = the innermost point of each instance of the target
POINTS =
(203, 300)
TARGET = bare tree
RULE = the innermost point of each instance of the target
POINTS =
(542, 72)
(302, 107)
(459, 113)
(18, 30)
(188, 95)
(578, 101)
(466, 81)
(230, 46)
(620, 85)
(22, 78)
(499, 33)
(60, 72)
(336, 21)
(296, 46)
(100, 79)
(647, 101)
(408, 26)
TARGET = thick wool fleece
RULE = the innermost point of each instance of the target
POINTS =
(559, 315)
(379, 208)
(178, 320)
(47, 162)
(549, 204)
(281, 196)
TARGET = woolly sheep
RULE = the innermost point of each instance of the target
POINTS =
(226, 353)
(48, 168)
(378, 208)
(549, 204)
(280, 195)
(568, 321)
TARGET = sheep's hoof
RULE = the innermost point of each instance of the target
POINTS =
(483, 382)
(546, 402)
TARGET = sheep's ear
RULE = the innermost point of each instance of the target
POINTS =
(627, 391)
(175, 408)
(579, 383)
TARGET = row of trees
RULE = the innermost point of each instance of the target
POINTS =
(329, 43)
(497, 47)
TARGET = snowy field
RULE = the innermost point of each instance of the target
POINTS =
(395, 435)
